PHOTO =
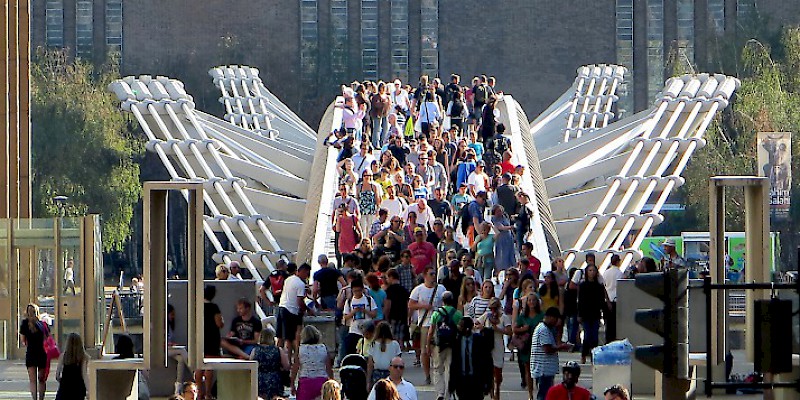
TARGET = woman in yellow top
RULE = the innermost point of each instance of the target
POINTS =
(384, 180)
(365, 343)
(549, 292)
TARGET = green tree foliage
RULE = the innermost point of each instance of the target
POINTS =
(767, 101)
(83, 146)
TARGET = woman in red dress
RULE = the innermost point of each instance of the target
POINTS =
(347, 226)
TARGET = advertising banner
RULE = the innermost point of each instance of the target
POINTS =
(774, 162)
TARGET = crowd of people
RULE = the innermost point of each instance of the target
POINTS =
(431, 257)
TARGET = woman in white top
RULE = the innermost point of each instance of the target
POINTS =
(479, 304)
(500, 324)
(311, 367)
(429, 114)
(383, 349)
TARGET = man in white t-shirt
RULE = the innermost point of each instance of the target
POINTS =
(291, 308)
(425, 298)
(363, 159)
(69, 277)
(424, 213)
(405, 389)
(395, 205)
(359, 310)
(478, 181)
(610, 276)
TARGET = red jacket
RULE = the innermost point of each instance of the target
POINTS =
(560, 392)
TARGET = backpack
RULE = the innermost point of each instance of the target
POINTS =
(456, 109)
(446, 331)
(480, 94)
(466, 219)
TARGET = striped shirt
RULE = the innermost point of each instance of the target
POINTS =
(477, 307)
(543, 364)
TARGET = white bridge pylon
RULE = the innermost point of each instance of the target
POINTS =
(250, 105)
(608, 182)
(255, 184)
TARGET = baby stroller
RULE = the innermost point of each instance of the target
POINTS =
(354, 377)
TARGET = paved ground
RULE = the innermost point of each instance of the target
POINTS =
(14, 383)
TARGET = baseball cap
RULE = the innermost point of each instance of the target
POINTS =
(669, 242)
(418, 230)
(481, 163)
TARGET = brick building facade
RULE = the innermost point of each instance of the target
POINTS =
(305, 48)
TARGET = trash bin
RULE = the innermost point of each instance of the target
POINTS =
(611, 366)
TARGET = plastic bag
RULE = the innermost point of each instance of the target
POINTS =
(615, 353)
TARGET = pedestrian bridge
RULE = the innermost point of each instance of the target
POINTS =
(269, 180)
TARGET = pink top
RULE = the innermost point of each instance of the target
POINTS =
(347, 237)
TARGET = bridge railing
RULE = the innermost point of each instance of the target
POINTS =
(542, 230)
(317, 232)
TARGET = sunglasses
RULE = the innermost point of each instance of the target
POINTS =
(399, 366)
(431, 274)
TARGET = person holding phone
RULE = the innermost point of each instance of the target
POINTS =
(358, 310)
(544, 352)
(500, 325)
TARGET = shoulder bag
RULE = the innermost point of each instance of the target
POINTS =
(50, 345)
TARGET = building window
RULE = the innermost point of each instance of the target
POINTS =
(429, 23)
(338, 39)
(655, 48)
(399, 28)
(114, 25)
(84, 25)
(716, 15)
(309, 34)
(624, 33)
(369, 39)
(54, 23)
(686, 33)
(745, 9)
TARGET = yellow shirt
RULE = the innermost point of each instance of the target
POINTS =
(384, 184)
(363, 346)
(548, 302)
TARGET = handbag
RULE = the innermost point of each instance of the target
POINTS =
(518, 340)
(50, 345)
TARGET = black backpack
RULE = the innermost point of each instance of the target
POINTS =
(480, 93)
(500, 145)
(446, 331)
(466, 219)
(456, 109)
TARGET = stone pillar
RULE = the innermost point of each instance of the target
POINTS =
(15, 142)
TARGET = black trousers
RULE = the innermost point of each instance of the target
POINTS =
(611, 323)
(336, 250)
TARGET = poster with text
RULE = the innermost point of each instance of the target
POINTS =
(774, 162)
